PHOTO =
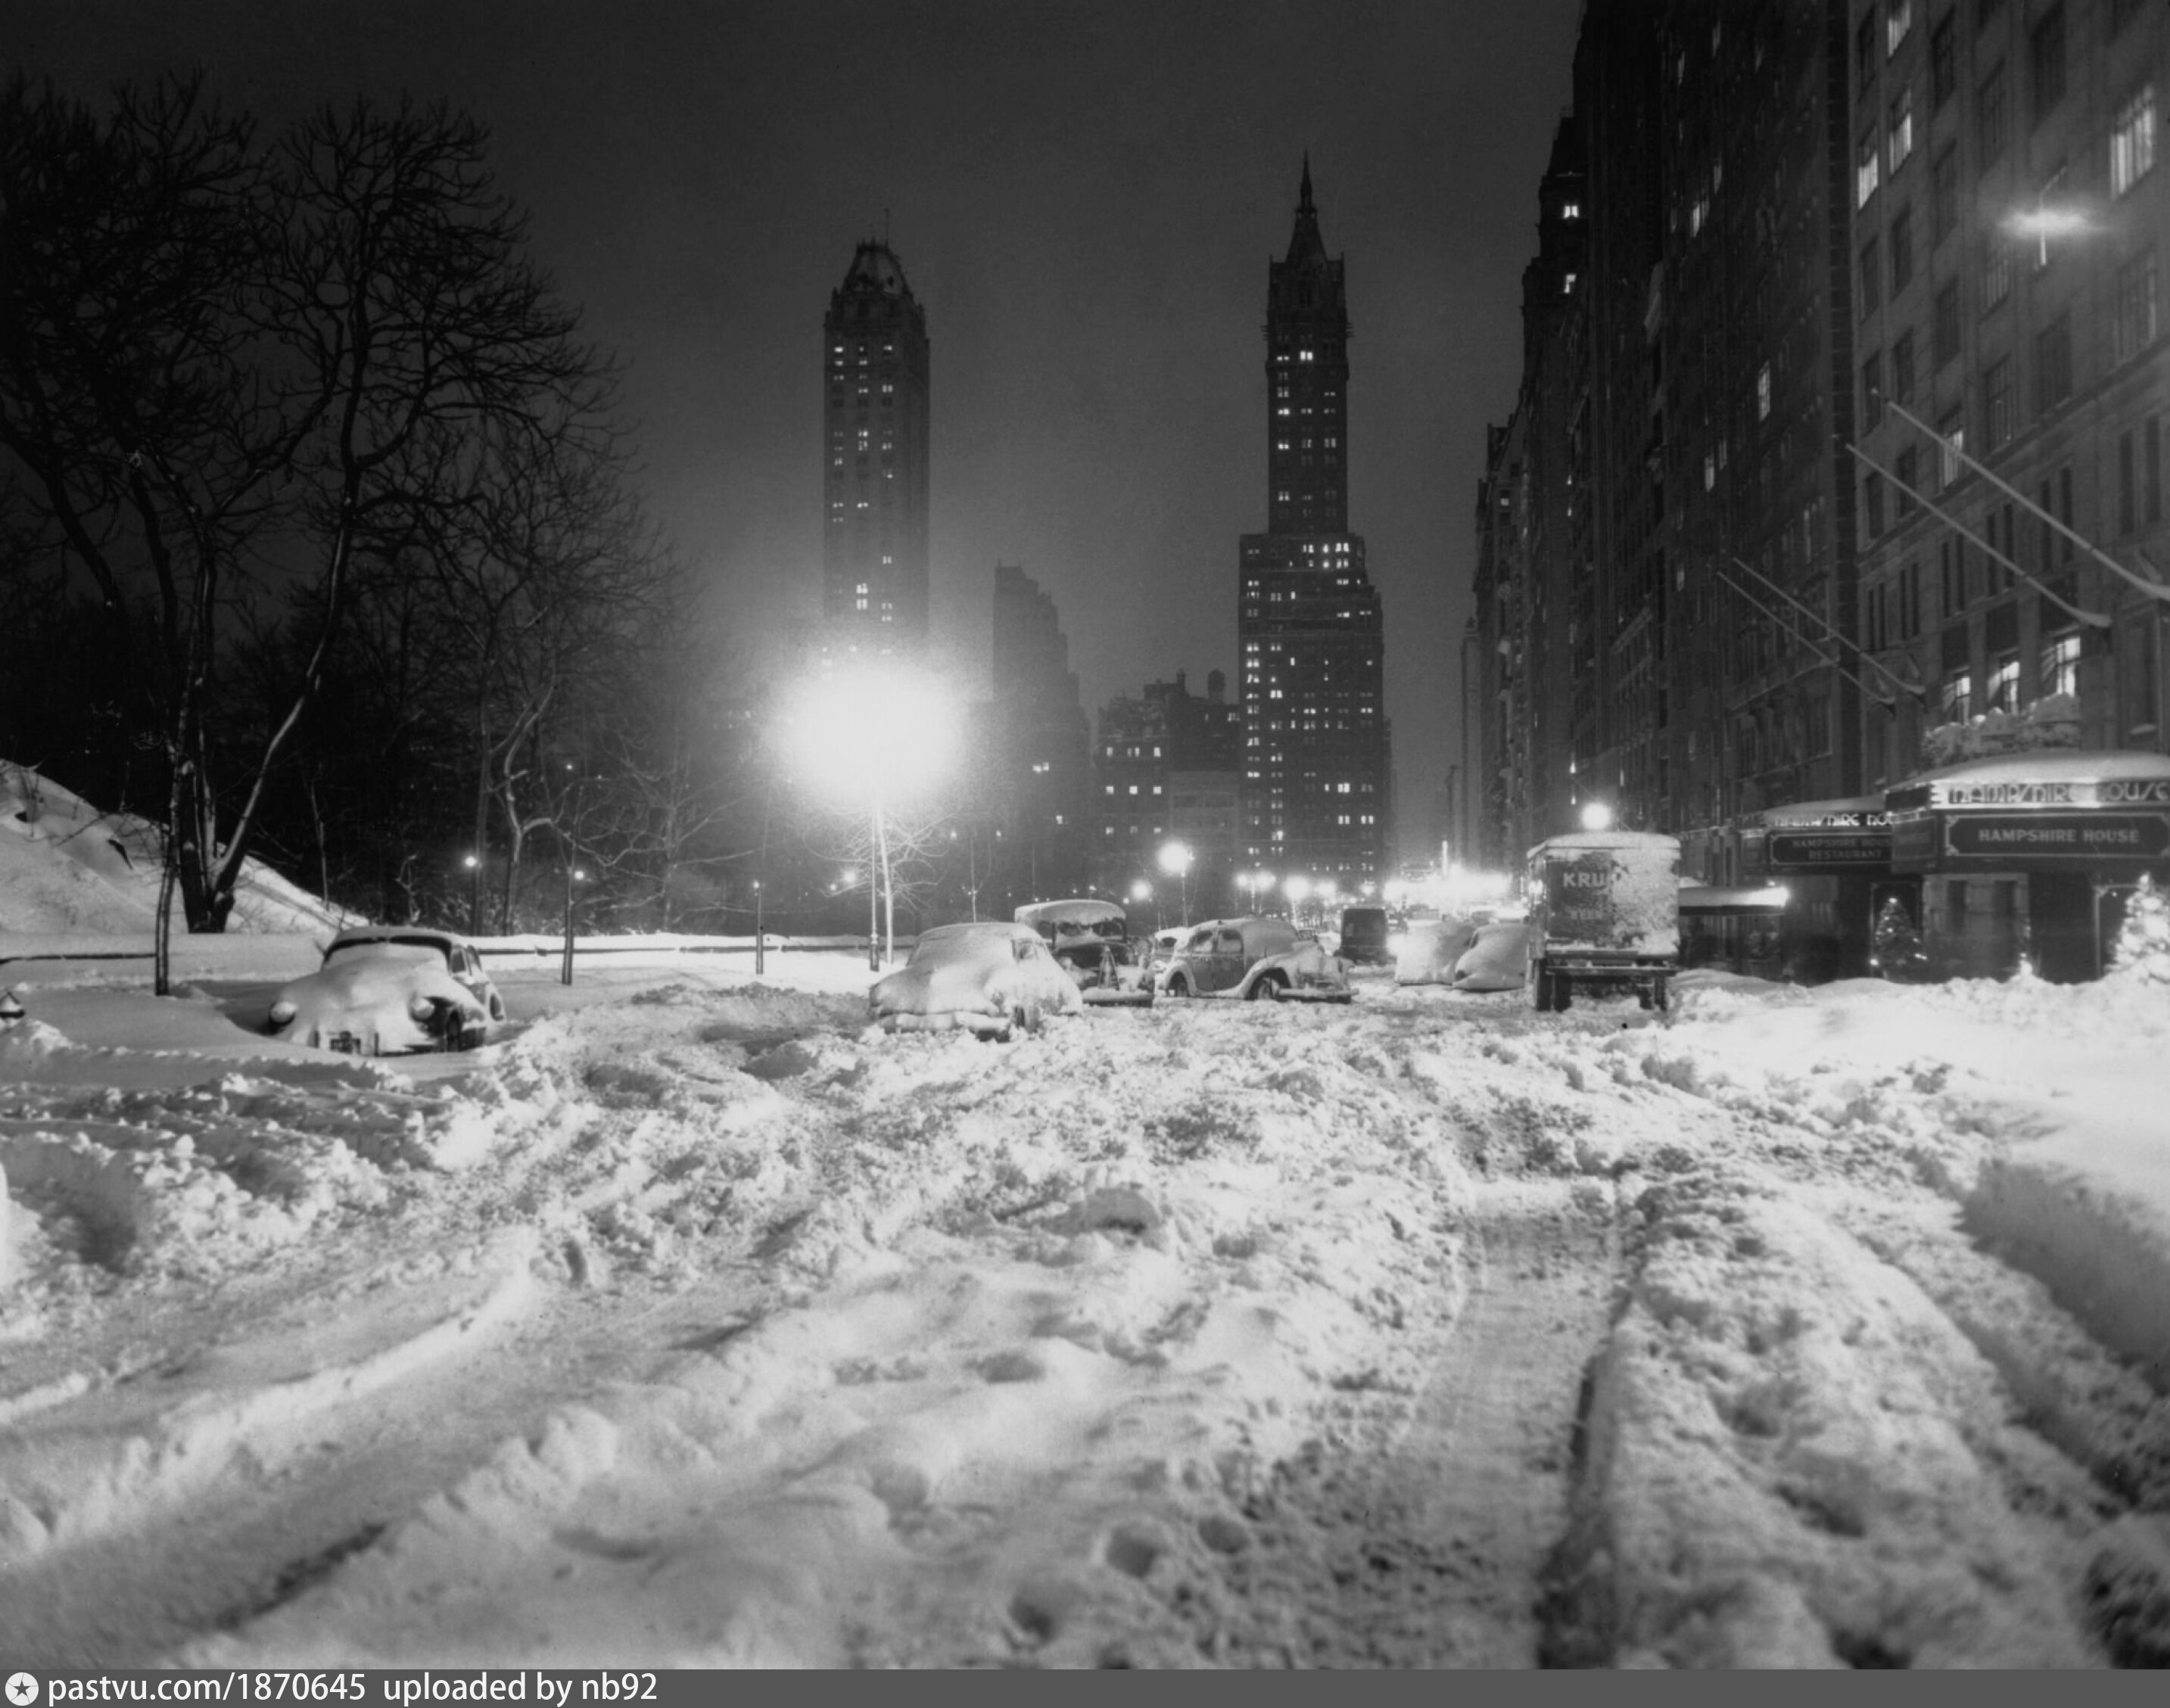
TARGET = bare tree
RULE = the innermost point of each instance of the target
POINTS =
(219, 359)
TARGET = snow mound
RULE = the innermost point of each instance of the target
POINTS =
(66, 866)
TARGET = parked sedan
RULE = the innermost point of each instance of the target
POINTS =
(992, 977)
(390, 990)
(1256, 959)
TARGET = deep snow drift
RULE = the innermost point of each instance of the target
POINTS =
(691, 1322)
(65, 866)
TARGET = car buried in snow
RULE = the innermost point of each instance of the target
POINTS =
(1256, 959)
(389, 991)
(992, 977)
(1090, 940)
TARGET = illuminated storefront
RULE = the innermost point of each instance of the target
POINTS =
(1834, 857)
(2027, 858)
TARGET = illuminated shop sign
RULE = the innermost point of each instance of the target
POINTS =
(2069, 836)
(1830, 848)
(2112, 792)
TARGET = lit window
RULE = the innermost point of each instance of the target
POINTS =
(1953, 432)
(1898, 19)
(2132, 141)
(1866, 157)
(1901, 130)
(2060, 671)
(1763, 392)
(2004, 684)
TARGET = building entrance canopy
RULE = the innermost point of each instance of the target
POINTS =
(1835, 838)
(2044, 810)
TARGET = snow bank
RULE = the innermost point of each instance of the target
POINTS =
(65, 866)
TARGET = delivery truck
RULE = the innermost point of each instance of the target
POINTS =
(1604, 910)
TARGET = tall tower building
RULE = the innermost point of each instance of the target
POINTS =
(1316, 775)
(874, 463)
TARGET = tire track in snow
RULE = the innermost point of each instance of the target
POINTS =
(1431, 1552)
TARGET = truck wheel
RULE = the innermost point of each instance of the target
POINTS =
(1562, 993)
(1663, 997)
(1644, 998)
(1540, 990)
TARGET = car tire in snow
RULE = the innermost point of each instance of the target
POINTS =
(1268, 988)
(1178, 987)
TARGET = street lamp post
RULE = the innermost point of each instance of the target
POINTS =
(573, 875)
(1175, 861)
(869, 736)
(474, 863)
(760, 943)
(881, 865)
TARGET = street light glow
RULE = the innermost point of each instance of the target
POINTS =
(2044, 223)
(1596, 816)
(872, 738)
(875, 735)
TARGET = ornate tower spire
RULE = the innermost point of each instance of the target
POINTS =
(1307, 381)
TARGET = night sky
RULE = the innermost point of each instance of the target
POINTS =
(1085, 198)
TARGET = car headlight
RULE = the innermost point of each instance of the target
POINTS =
(282, 1011)
(421, 1006)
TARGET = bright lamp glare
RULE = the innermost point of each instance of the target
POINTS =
(1596, 816)
(2047, 222)
(878, 733)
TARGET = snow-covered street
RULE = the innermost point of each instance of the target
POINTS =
(694, 1324)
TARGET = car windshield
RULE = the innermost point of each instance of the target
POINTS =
(423, 954)
(940, 945)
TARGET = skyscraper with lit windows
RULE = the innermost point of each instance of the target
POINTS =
(1316, 776)
(875, 457)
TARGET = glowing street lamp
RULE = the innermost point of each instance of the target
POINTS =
(1175, 861)
(473, 864)
(1296, 887)
(1596, 816)
(872, 737)
(2043, 223)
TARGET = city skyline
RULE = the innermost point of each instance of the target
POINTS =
(1082, 204)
